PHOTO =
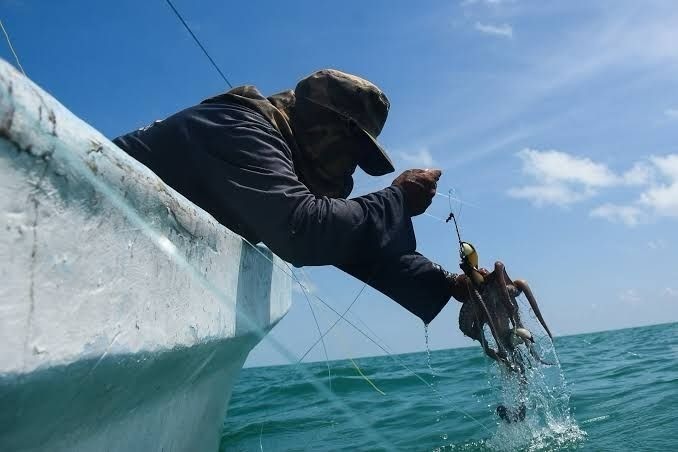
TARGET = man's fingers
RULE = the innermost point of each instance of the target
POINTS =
(435, 173)
(420, 187)
(432, 177)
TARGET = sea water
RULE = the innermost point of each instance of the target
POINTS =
(609, 391)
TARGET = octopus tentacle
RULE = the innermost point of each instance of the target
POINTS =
(468, 323)
(490, 322)
(522, 286)
(508, 301)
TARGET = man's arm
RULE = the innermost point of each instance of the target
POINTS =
(370, 237)
(247, 169)
(413, 281)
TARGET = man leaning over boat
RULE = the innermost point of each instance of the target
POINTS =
(279, 169)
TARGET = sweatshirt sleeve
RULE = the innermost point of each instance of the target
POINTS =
(413, 281)
(249, 171)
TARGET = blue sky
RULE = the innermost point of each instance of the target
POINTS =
(555, 122)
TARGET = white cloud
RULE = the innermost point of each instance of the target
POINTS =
(555, 166)
(627, 214)
(659, 197)
(667, 165)
(504, 30)
(640, 174)
(662, 197)
(671, 113)
(562, 179)
(420, 159)
(550, 193)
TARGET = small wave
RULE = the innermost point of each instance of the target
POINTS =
(595, 419)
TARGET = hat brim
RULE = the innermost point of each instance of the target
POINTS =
(376, 161)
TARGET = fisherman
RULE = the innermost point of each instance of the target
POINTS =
(279, 170)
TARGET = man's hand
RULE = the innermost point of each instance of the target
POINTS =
(460, 287)
(419, 186)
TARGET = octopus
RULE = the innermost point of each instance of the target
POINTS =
(492, 301)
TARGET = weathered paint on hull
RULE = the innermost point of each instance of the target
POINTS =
(126, 312)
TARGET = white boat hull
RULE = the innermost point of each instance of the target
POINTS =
(126, 312)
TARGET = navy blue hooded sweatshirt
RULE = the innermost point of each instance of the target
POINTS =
(230, 160)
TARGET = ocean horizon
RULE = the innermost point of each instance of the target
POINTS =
(592, 398)
(473, 345)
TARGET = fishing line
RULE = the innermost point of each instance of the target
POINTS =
(367, 327)
(322, 335)
(166, 247)
(172, 252)
(195, 38)
(406, 367)
(360, 372)
(365, 377)
(315, 319)
(341, 316)
(392, 356)
(11, 47)
(442, 220)
(355, 365)
(452, 197)
(197, 41)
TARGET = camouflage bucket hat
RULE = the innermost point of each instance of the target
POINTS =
(355, 99)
